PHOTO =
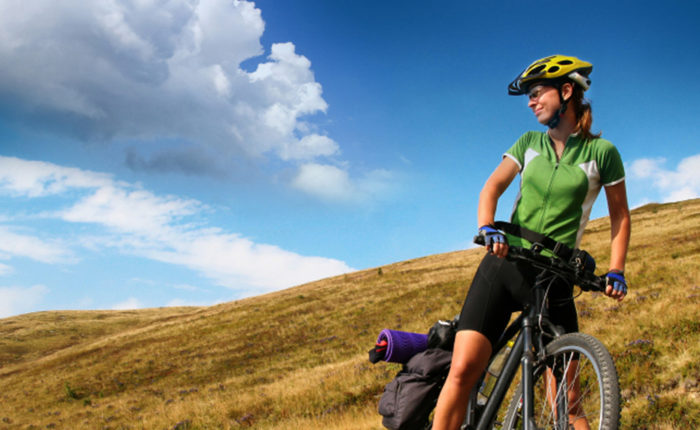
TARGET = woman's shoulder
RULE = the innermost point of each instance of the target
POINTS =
(606, 154)
(601, 145)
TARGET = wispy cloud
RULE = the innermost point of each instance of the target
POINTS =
(333, 183)
(680, 183)
(15, 300)
(5, 269)
(128, 304)
(28, 246)
(137, 222)
(37, 178)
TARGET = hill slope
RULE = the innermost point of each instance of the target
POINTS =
(298, 358)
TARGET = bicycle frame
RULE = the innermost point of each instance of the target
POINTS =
(528, 345)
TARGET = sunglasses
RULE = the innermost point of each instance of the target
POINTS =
(536, 92)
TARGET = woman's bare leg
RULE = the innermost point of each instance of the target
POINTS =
(469, 359)
(577, 416)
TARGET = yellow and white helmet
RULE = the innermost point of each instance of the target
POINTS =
(555, 68)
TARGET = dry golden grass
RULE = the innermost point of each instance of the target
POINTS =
(298, 358)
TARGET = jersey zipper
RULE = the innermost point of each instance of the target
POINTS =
(545, 201)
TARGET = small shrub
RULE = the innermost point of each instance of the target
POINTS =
(70, 393)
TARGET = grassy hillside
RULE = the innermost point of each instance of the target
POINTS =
(298, 358)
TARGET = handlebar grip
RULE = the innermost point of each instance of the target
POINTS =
(601, 284)
(593, 283)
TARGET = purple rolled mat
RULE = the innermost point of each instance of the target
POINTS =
(401, 345)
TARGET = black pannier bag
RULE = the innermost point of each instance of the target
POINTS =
(411, 396)
(442, 334)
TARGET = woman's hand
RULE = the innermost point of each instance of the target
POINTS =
(617, 286)
(494, 240)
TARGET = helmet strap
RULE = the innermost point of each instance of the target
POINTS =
(554, 121)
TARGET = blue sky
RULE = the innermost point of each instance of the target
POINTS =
(190, 153)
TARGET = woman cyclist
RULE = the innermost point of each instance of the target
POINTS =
(562, 171)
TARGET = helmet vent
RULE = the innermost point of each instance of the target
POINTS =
(565, 62)
(553, 69)
(537, 70)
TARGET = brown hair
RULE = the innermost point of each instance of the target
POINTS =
(584, 114)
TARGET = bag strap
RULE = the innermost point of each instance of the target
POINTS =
(559, 249)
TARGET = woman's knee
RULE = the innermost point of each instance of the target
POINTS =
(470, 357)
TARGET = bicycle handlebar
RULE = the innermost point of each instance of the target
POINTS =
(574, 271)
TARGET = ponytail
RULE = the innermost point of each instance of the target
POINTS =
(584, 114)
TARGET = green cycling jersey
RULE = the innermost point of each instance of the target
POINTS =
(556, 195)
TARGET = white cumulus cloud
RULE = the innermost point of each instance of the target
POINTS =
(310, 147)
(681, 183)
(151, 70)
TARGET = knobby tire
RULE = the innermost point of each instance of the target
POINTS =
(599, 389)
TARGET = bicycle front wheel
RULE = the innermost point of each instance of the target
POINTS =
(575, 387)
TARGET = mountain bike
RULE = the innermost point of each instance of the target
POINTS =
(567, 381)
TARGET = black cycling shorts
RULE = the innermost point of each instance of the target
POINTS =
(501, 287)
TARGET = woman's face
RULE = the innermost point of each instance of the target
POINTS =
(544, 102)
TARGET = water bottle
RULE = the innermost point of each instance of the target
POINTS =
(492, 373)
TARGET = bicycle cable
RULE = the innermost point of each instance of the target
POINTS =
(544, 302)
(552, 302)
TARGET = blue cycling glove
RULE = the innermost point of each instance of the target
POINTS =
(492, 235)
(616, 278)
